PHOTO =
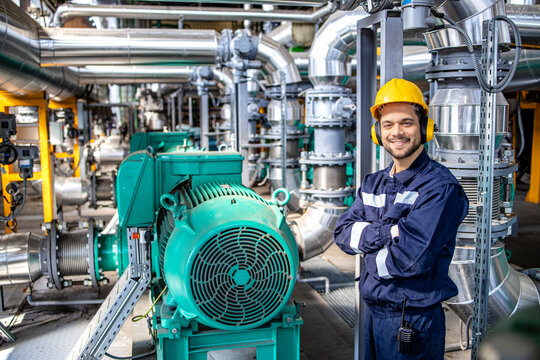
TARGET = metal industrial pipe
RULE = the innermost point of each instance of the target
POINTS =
(527, 19)
(308, 3)
(276, 59)
(78, 47)
(103, 75)
(67, 11)
(329, 54)
(20, 71)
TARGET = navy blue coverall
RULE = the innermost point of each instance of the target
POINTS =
(427, 204)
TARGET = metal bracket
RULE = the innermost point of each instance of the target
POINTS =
(120, 302)
(485, 187)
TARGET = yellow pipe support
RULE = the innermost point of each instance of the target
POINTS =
(45, 175)
(70, 103)
(533, 195)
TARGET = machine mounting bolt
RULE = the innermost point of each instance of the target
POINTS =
(174, 331)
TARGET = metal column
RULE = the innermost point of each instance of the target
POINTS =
(205, 127)
(391, 67)
(391, 60)
(241, 125)
(485, 187)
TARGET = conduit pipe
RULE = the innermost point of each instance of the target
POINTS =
(20, 71)
(67, 11)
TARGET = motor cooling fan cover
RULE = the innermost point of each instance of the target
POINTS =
(231, 263)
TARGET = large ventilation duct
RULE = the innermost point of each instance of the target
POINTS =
(78, 47)
(67, 11)
(20, 71)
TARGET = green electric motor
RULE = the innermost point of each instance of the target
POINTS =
(227, 255)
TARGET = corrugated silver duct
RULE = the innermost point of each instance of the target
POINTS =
(20, 258)
(67, 11)
(20, 71)
(275, 58)
(78, 47)
(509, 290)
(330, 50)
(103, 75)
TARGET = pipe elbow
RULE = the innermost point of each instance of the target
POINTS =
(276, 60)
(314, 231)
(330, 50)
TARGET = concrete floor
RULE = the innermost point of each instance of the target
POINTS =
(48, 333)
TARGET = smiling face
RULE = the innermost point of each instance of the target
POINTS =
(400, 130)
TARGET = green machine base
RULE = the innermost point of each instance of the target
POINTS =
(278, 339)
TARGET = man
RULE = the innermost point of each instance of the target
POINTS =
(404, 221)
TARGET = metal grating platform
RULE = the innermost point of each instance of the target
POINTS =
(341, 296)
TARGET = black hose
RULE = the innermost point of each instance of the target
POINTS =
(133, 357)
(500, 86)
(16, 213)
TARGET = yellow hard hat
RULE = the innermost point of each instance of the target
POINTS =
(398, 90)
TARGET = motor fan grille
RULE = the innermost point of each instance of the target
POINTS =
(241, 276)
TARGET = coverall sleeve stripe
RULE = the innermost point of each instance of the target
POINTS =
(373, 200)
(407, 197)
(382, 270)
(356, 234)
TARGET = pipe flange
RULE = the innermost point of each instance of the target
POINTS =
(499, 228)
(274, 92)
(328, 194)
(93, 190)
(471, 170)
(114, 199)
(322, 92)
(93, 267)
(290, 136)
(54, 276)
(328, 122)
(290, 163)
(327, 158)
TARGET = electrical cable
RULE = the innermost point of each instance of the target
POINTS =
(520, 124)
(69, 173)
(500, 86)
(16, 213)
(134, 357)
(375, 9)
(140, 317)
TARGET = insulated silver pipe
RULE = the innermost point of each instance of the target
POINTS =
(225, 78)
(78, 47)
(276, 59)
(102, 75)
(527, 19)
(20, 258)
(509, 290)
(67, 11)
(20, 71)
(309, 3)
(314, 230)
(329, 54)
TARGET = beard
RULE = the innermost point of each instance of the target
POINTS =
(405, 152)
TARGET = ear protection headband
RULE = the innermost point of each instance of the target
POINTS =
(426, 130)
